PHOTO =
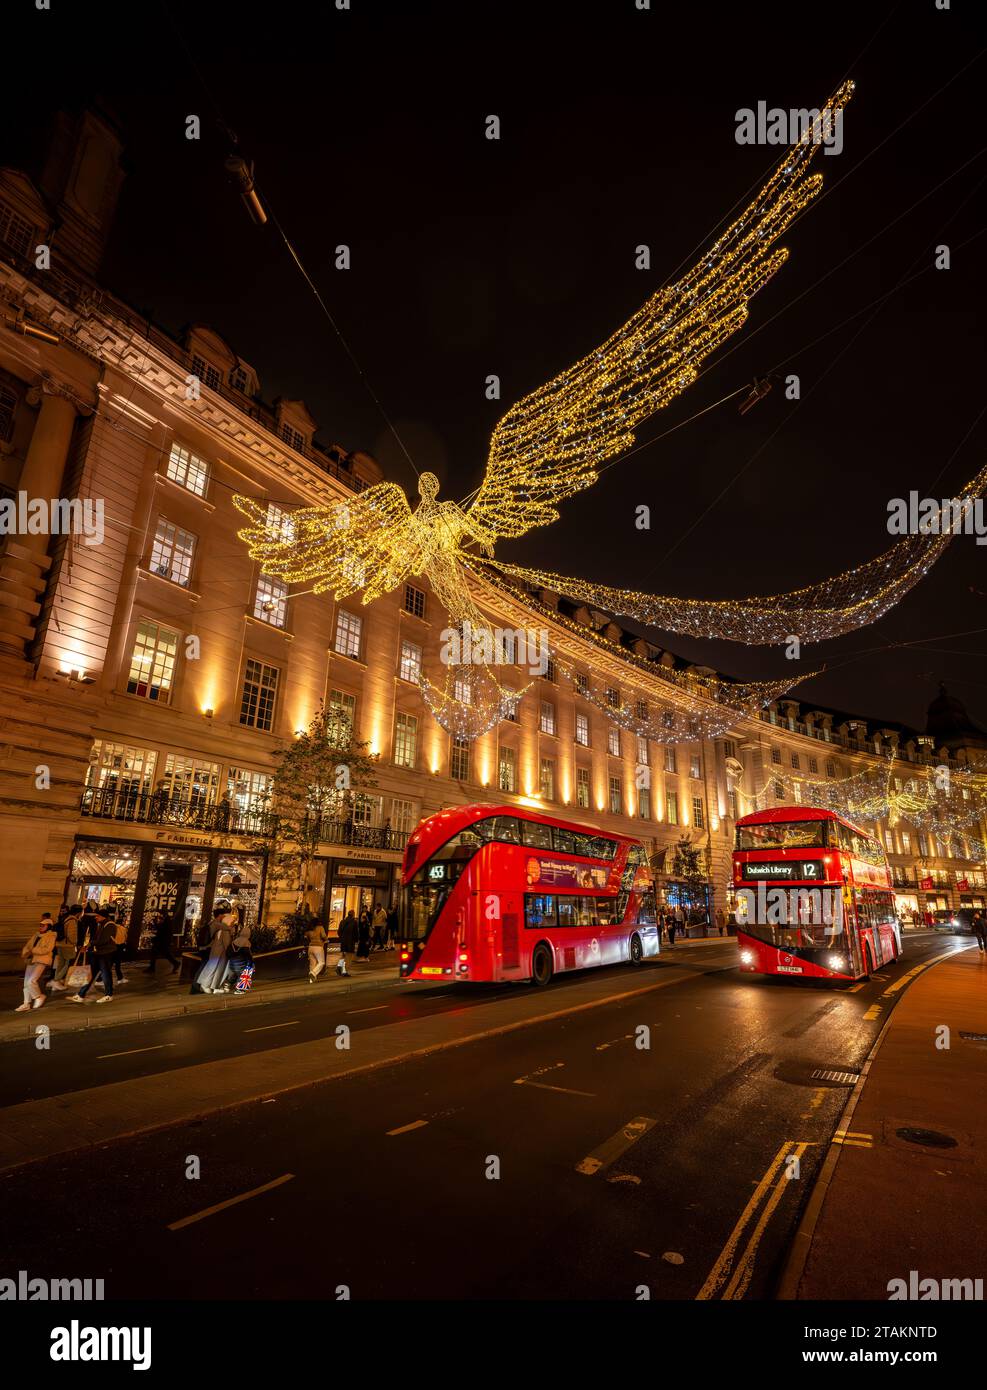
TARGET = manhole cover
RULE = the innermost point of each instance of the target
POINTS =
(836, 1078)
(930, 1138)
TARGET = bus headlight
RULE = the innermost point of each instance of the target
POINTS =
(747, 957)
(837, 963)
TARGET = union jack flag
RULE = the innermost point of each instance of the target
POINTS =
(246, 979)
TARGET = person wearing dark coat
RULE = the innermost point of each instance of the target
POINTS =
(363, 949)
(162, 933)
(348, 933)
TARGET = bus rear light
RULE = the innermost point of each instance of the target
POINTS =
(463, 956)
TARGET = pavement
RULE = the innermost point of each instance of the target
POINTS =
(903, 1188)
(144, 997)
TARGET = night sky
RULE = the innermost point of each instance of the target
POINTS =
(472, 257)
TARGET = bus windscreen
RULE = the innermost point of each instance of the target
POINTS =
(796, 834)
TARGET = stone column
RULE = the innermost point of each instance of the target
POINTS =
(25, 560)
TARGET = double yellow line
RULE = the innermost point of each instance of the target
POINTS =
(730, 1276)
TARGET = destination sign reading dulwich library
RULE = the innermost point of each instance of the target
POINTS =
(789, 869)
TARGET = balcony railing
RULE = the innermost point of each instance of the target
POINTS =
(223, 818)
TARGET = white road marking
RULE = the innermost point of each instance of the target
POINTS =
(268, 1026)
(376, 1009)
(404, 1129)
(230, 1202)
(543, 1086)
(133, 1050)
(616, 1145)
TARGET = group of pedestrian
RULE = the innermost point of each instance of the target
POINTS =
(359, 937)
(85, 941)
(229, 964)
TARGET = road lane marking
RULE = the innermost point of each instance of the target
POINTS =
(230, 1202)
(872, 1013)
(724, 1261)
(543, 1086)
(376, 1009)
(616, 1145)
(853, 988)
(602, 1047)
(853, 1138)
(268, 1026)
(133, 1050)
(405, 1129)
(740, 1282)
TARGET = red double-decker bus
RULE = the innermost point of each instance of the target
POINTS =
(814, 897)
(498, 893)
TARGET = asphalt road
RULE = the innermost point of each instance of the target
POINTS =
(562, 1160)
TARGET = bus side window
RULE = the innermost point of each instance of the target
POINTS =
(536, 835)
(565, 841)
(507, 828)
(567, 911)
(539, 910)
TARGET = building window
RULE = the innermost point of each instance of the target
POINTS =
(405, 740)
(411, 662)
(349, 629)
(511, 700)
(546, 721)
(462, 690)
(260, 689)
(342, 710)
(776, 755)
(613, 697)
(248, 792)
(582, 730)
(188, 470)
(546, 779)
(642, 751)
(15, 230)
(613, 742)
(672, 807)
(906, 842)
(152, 662)
(795, 761)
(404, 816)
(616, 796)
(414, 601)
(191, 781)
(292, 437)
(695, 766)
(830, 768)
(729, 748)
(118, 767)
(698, 813)
(641, 709)
(208, 374)
(644, 803)
(239, 380)
(779, 791)
(550, 672)
(459, 759)
(732, 803)
(271, 601)
(172, 553)
(279, 524)
(582, 683)
(670, 757)
(582, 787)
(813, 764)
(507, 769)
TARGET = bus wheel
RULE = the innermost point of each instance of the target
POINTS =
(541, 965)
(637, 950)
(868, 961)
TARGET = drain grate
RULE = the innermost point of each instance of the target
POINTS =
(974, 1037)
(928, 1138)
(837, 1078)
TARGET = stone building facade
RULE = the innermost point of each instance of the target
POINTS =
(148, 672)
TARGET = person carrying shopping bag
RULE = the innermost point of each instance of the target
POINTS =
(209, 980)
(37, 953)
(100, 942)
(240, 964)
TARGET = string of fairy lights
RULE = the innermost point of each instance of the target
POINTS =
(815, 613)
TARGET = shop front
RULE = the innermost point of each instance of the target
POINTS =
(179, 875)
(354, 886)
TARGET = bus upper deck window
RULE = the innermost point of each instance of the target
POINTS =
(565, 841)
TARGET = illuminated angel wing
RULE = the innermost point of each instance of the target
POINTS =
(550, 444)
(361, 543)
